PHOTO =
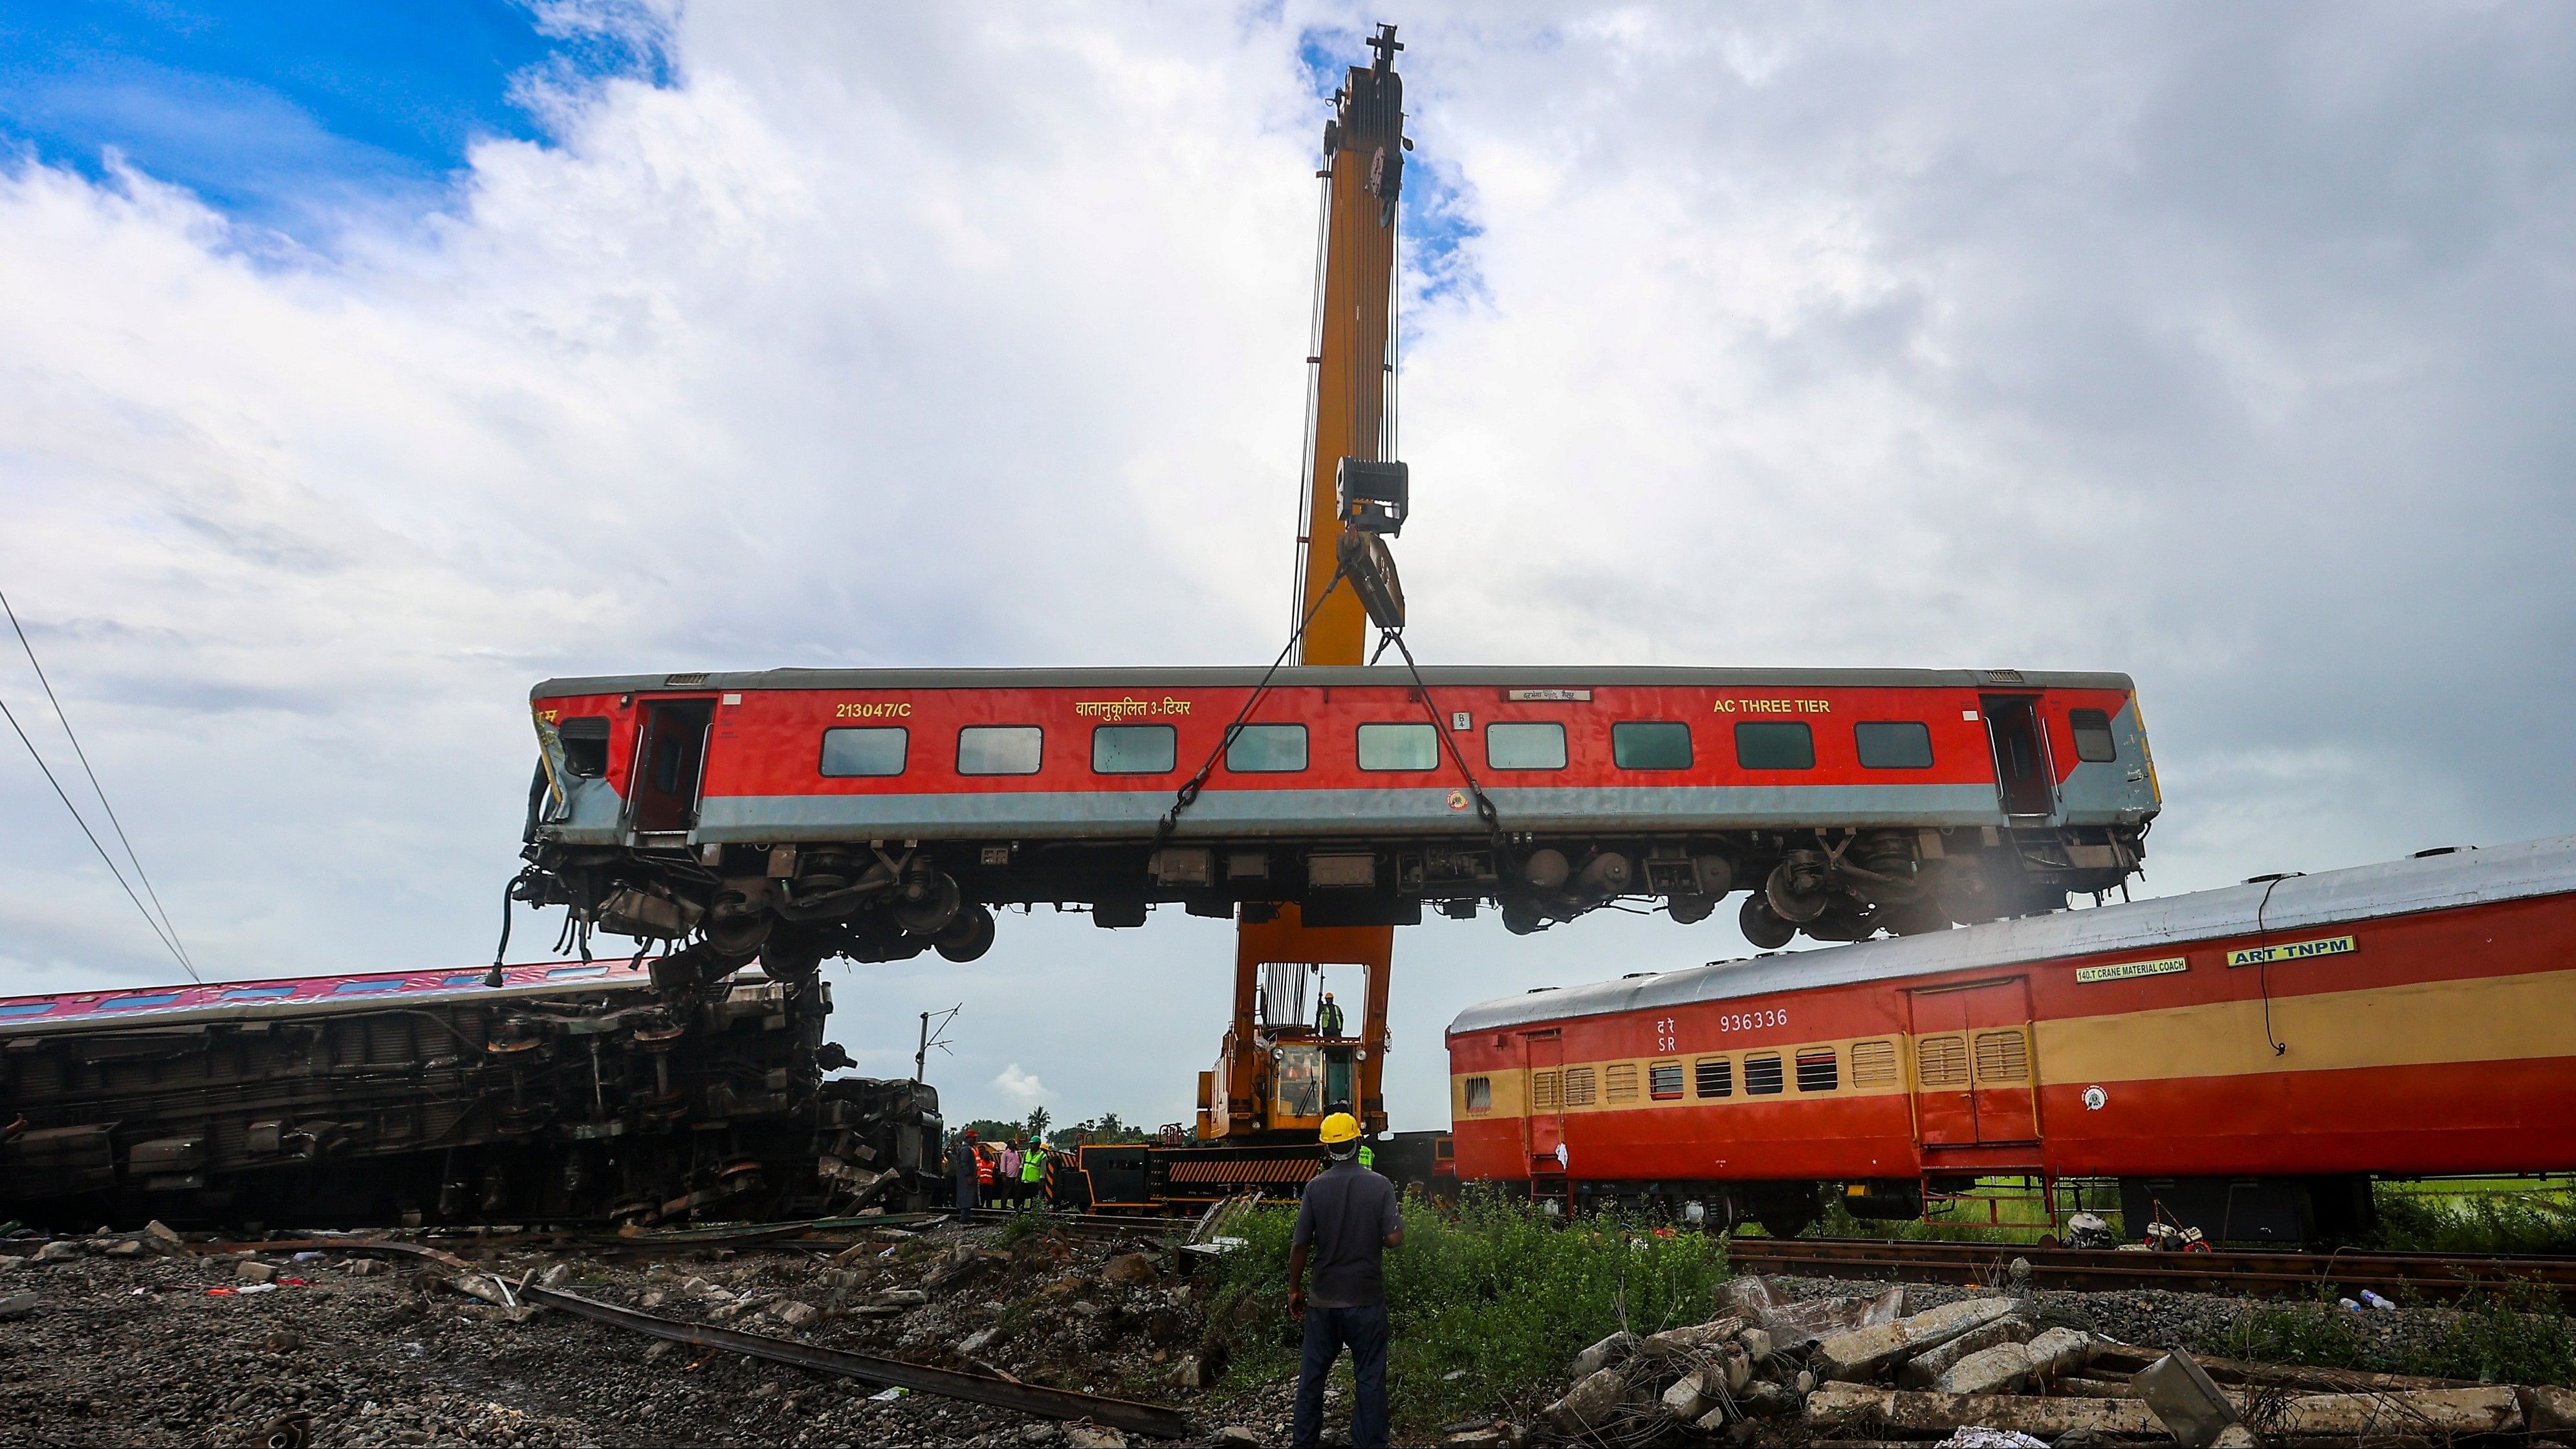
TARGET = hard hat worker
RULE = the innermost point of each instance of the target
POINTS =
(1346, 1223)
(1033, 1166)
(1328, 1017)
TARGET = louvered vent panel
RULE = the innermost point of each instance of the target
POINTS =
(2002, 1056)
(1579, 1086)
(1942, 1060)
(1873, 1063)
(1622, 1081)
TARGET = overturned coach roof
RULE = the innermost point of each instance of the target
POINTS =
(2394, 888)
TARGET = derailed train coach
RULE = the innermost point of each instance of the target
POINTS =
(2245, 1060)
(569, 1092)
(791, 815)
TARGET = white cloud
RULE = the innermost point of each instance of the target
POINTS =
(2226, 351)
(1022, 1088)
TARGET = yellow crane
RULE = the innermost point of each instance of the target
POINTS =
(1277, 1076)
(1285, 1065)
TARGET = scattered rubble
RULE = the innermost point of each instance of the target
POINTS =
(1977, 1372)
(183, 1343)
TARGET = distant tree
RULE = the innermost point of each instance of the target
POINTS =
(1105, 1128)
(1039, 1117)
(993, 1129)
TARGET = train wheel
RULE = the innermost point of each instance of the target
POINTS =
(928, 903)
(1789, 1223)
(1763, 926)
(969, 936)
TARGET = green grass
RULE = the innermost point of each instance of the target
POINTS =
(2476, 1217)
(2518, 1335)
(1496, 1295)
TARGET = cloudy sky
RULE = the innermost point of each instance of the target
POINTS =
(357, 371)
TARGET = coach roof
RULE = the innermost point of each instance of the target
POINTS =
(2295, 903)
(1451, 676)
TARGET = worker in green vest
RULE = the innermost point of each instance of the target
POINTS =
(1033, 1173)
(1328, 1017)
(1368, 1157)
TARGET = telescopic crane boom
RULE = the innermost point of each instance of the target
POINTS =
(1279, 1074)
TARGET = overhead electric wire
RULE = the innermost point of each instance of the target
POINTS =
(169, 927)
(109, 860)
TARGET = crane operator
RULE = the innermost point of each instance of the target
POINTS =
(1328, 1017)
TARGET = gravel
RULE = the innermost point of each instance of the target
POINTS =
(138, 1350)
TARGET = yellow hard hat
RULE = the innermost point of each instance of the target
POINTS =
(1340, 1127)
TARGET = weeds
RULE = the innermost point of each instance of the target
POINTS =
(2483, 1222)
(1484, 1306)
(2518, 1334)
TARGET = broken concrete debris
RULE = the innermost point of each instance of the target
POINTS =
(1979, 1373)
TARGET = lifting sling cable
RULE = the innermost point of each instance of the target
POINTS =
(1188, 794)
(1485, 810)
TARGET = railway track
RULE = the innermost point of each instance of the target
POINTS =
(2433, 1276)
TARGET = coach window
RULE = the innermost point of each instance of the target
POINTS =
(2093, 738)
(1902, 744)
(999, 749)
(585, 746)
(1525, 746)
(1818, 1070)
(1132, 749)
(1267, 749)
(1762, 1076)
(1664, 1081)
(1399, 747)
(1480, 1094)
(1774, 745)
(1716, 1076)
(874, 750)
(1651, 744)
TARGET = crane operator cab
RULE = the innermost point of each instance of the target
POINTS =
(1312, 1062)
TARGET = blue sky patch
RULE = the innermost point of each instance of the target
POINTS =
(282, 113)
(1438, 218)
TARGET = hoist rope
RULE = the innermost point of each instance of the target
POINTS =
(1485, 810)
(1188, 794)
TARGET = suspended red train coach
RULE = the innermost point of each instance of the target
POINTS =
(793, 814)
(2242, 1060)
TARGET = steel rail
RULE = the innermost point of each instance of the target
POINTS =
(1111, 1225)
(2426, 1275)
(1151, 1420)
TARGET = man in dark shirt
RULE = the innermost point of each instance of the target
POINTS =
(962, 1168)
(1346, 1222)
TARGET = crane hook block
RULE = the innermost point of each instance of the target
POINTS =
(1373, 497)
(1370, 565)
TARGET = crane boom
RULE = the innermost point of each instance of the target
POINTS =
(1350, 370)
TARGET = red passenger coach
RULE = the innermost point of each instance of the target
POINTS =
(2244, 1060)
(795, 814)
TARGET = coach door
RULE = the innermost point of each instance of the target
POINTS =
(2023, 779)
(1973, 1075)
(670, 757)
(1543, 1130)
